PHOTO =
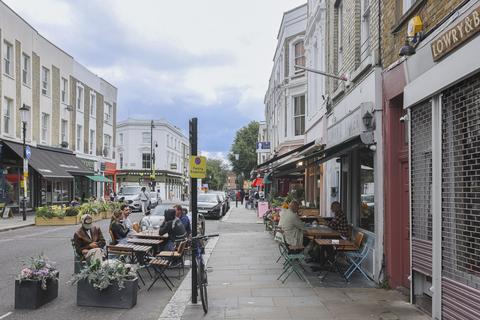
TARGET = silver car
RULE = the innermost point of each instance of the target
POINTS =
(131, 195)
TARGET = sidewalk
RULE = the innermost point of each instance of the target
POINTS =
(16, 222)
(243, 285)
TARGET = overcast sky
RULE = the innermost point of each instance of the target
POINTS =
(172, 59)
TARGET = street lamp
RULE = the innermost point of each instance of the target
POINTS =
(152, 156)
(24, 110)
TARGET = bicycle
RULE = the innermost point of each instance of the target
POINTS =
(202, 281)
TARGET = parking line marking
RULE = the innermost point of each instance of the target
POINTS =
(6, 315)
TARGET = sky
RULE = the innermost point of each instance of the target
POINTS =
(172, 59)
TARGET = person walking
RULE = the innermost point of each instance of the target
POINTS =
(145, 199)
(242, 196)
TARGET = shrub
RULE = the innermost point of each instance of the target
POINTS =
(72, 211)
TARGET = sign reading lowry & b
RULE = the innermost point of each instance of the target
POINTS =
(454, 37)
(198, 167)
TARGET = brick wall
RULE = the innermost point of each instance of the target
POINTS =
(55, 106)
(394, 28)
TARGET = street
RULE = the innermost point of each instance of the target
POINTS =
(18, 245)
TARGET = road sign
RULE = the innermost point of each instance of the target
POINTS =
(28, 152)
(198, 167)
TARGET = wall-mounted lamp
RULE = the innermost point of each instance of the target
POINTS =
(414, 35)
(367, 120)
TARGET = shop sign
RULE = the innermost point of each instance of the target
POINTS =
(89, 164)
(347, 128)
(263, 146)
(198, 167)
(456, 36)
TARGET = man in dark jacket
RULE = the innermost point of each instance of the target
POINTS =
(175, 229)
(89, 240)
(183, 217)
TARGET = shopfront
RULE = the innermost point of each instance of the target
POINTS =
(442, 99)
(110, 173)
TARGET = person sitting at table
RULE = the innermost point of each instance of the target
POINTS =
(339, 222)
(291, 224)
(117, 229)
(127, 223)
(89, 240)
(175, 229)
(183, 217)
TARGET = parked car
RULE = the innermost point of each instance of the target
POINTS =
(210, 205)
(225, 201)
(157, 216)
(131, 195)
(155, 199)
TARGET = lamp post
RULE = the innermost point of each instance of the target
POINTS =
(24, 115)
(152, 156)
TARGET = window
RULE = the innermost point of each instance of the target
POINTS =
(92, 142)
(107, 142)
(340, 36)
(299, 55)
(406, 4)
(25, 69)
(64, 129)
(64, 90)
(79, 137)
(365, 30)
(146, 161)
(8, 58)
(286, 121)
(299, 115)
(45, 125)
(79, 98)
(120, 157)
(120, 138)
(108, 112)
(367, 191)
(146, 138)
(45, 81)
(93, 104)
(7, 115)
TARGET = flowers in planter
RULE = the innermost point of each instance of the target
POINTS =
(102, 275)
(56, 211)
(38, 269)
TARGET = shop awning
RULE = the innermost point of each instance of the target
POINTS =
(99, 178)
(276, 158)
(258, 182)
(52, 162)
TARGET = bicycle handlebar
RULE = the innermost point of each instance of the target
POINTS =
(205, 236)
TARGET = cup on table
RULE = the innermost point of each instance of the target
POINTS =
(335, 241)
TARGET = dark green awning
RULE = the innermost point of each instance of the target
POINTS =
(99, 178)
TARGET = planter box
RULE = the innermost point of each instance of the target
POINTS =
(97, 217)
(30, 295)
(111, 297)
(107, 214)
(41, 221)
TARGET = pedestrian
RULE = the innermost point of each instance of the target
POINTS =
(145, 199)
(242, 196)
(183, 217)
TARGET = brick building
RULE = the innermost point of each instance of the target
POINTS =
(437, 87)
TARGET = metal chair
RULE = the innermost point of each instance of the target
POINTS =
(293, 256)
(78, 260)
(356, 258)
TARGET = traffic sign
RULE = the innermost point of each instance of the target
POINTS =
(198, 167)
(28, 152)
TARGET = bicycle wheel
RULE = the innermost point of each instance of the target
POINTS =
(202, 285)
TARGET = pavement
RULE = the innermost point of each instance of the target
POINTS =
(17, 222)
(242, 284)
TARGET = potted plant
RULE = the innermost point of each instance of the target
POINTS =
(37, 284)
(111, 284)
(56, 215)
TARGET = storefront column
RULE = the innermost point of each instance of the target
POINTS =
(437, 207)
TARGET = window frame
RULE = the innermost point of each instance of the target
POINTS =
(107, 143)
(146, 135)
(8, 59)
(80, 98)
(63, 133)
(93, 104)
(120, 138)
(146, 161)
(302, 56)
(44, 129)
(120, 160)
(26, 69)
(91, 142)
(45, 81)
(299, 115)
(108, 109)
(7, 113)
(340, 28)
(64, 90)
(79, 137)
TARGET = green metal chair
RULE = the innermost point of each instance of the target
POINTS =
(293, 259)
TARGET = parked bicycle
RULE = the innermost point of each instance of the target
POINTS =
(202, 281)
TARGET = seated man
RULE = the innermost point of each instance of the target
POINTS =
(175, 229)
(291, 225)
(89, 240)
(339, 222)
(183, 217)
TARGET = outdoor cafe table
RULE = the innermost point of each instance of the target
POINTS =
(336, 244)
(141, 251)
(150, 234)
(321, 231)
(145, 241)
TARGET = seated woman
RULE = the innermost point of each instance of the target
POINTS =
(175, 229)
(117, 228)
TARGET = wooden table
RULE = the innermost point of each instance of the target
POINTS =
(321, 232)
(338, 245)
(140, 251)
(155, 243)
(150, 234)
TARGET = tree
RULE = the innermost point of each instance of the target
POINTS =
(244, 145)
(216, 174)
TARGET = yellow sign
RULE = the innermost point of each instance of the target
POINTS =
(415, 25)
(198, 167)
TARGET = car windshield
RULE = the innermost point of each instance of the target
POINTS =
(131, 190)
(160, 209)
(207, 198)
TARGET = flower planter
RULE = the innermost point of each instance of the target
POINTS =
(30, 295)
(111, 297)
(107, 214)
(42, 221)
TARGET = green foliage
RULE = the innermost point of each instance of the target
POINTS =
(103, 206)
(38, 269)
(50, 212)
(102, 275)
(90, 208)
(244, 145)
(72, 211)
(114, 205)
(216, 174)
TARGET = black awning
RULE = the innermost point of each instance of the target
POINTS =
(51, 162)
(301, 148)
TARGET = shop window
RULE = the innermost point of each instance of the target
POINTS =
(367, 191)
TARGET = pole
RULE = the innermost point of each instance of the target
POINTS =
(25, 173)
(152, 158)
(193, 205)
